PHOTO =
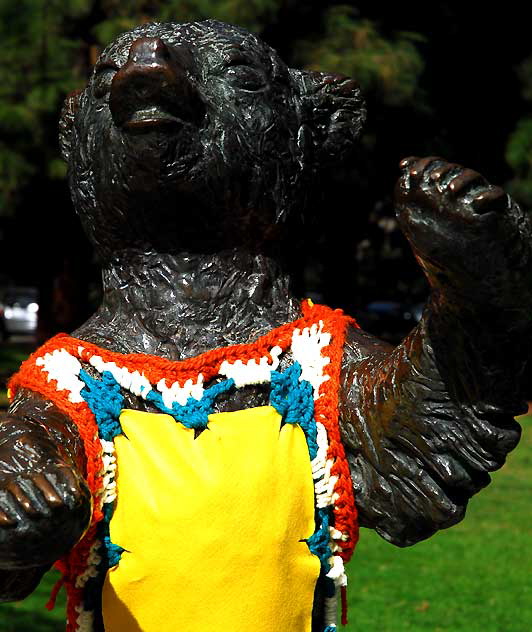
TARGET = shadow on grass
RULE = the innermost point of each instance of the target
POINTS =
(16, 620)
(30, 615)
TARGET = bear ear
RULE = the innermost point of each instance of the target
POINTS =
(332, 108)
(66, 122)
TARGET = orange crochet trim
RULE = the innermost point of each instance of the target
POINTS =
(326, 411)
(154, 369)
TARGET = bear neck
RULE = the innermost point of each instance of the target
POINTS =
(179, 306)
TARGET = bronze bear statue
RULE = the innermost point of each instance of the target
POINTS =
(193, 152)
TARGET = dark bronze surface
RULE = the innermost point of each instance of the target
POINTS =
(192, 154)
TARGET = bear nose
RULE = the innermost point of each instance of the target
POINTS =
(148, 50)
(154, 87)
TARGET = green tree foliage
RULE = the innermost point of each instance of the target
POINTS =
(41, 60)
(37, 68)
(387, 67)
(121, 16)
(519, 148)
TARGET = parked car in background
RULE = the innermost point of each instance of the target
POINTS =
(19, 307)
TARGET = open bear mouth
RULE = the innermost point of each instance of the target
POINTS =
(151, 118)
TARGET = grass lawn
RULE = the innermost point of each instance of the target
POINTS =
(30, 615)
(475, 577)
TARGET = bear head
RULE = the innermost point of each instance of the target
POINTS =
(197, 137)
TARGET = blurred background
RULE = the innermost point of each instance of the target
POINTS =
(443, 78)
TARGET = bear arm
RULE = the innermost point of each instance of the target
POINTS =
(19, 584)
(45, 504)
(29, 412)
(419, 440)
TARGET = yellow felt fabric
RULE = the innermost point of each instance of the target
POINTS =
(212, 526)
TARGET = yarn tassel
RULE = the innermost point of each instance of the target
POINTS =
(50, 604)
(343, 593)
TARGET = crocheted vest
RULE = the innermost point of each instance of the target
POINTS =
(207, 521)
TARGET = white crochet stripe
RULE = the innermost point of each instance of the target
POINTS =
(337, 571)
(324, 485)
(321, 470)
(252, 372)
(319, 461)
(331, 608)
(307, 346)
(64, 368)
(307, 349)
(180, 394)
(338, 535)
(108, 472)
(93, 560)
(134, 381)
(85, 620)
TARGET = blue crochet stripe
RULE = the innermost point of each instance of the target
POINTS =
(293, 399)
(195, 413)
(330, 628)
(106, 401)
(113, 551)
(318, 543)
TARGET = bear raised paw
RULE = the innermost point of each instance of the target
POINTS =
(206, 435)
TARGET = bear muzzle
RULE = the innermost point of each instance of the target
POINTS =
(154, 90)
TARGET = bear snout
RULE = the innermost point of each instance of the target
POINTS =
(154, 88)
